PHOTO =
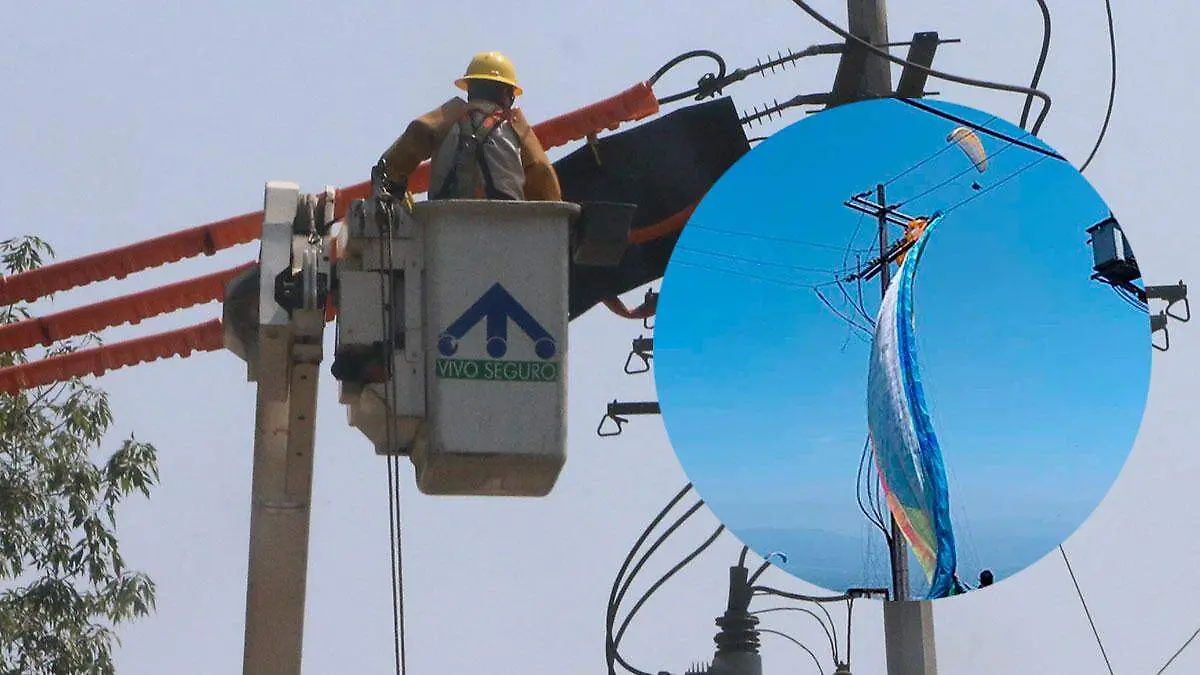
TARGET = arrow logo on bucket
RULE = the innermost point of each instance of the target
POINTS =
(497, 306)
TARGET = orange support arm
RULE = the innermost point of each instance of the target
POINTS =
(132, 309)
(205, 337)
(121, 262)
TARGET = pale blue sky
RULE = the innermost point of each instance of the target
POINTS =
(128, 119)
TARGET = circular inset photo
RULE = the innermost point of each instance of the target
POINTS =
(905, 344)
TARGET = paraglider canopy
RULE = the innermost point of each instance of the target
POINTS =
(968, 141)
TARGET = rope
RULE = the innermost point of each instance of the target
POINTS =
(387, 320)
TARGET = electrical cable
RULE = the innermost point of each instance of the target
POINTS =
(751, 261)
(747, 275)
(1045, 52)
(798, 644)
(850, 244)
(392, 551)
(849, 625)
(1124, 295)
(387, 319)
(750, 235)
(768, 590)
(399, 567)
(1178, 652)
(1045, 98)
(841, 316)
(875, 493)
(832, 641)
(1112, 88)
(680, 59)
(944, 183)
(982, 129)
(654, 547)
(872, 516)
(930, 158)
(1086, 611)
(858, 308)
(610, 613)
(663, 579)
(994, 185)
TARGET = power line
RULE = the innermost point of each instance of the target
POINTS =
(843, 317)
(610, 613)
(1127, 299)
(928, 159)
(751, 261)
(832, 642)
(394, 534)
(798, 644)
(995, 185)
(738, 273)
(980, 128)
(1086, 611)
(1037, 71)
(764, 237)
(767, 590)
(865, 479)
(663, 579)
(951, 179)
(1112, 88)
(929, 71)
(1178, 652)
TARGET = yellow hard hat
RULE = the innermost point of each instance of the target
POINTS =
(492, 66)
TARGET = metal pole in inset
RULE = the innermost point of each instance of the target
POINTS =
(897, 548)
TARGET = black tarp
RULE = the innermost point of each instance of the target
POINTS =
(663, 166)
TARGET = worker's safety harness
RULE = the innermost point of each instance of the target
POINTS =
(480, 159)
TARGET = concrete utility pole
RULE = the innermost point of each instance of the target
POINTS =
(868, 21)
(908, 626)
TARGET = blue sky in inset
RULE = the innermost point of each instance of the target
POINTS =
(1036, 376)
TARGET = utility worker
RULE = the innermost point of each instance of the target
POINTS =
(482, 148)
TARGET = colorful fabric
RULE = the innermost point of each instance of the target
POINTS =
(907, 455)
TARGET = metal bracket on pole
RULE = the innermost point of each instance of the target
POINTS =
(617, 409)
(1158, 322)
(1171, 295)
(643, 348)
(921, 52)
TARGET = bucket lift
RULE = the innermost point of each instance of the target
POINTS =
(479, 410)
(425, 299)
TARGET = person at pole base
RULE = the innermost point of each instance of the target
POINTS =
(481, 147)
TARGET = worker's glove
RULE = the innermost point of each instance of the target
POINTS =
(385, 188)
